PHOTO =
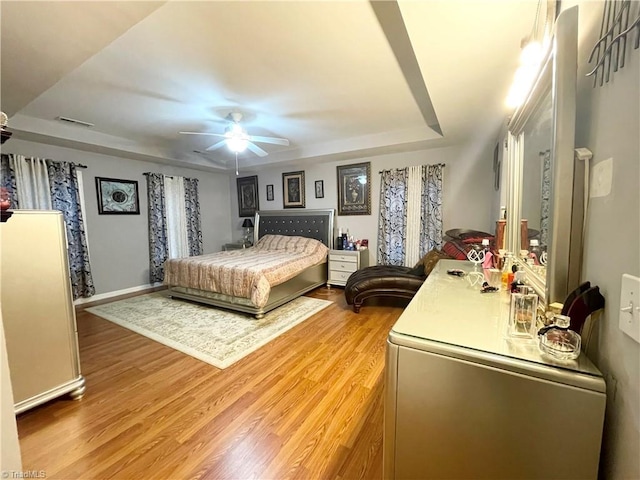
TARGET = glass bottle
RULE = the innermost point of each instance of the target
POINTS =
(558, 340)
(534, 251)
(506, 270)
(523, 313)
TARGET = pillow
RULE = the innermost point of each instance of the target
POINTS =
(289, 243)
(430, 259)
(478, 240)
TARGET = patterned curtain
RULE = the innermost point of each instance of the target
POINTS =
(431, 209)
(65, 196)
(8, 180)
(546, 197)
(392, 223)
(158, 244)
(194, 226)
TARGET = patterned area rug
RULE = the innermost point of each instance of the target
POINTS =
(218, 337)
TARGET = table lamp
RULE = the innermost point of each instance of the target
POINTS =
(247, 225)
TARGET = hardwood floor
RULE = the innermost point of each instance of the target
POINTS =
(307, 405)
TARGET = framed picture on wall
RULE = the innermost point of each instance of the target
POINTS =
(319, 188)
(247, 196)
(293, 189)
(117, 197)
(269, 193)
(354, 189)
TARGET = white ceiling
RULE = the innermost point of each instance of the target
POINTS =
(339, 79)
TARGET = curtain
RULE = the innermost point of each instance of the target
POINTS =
(414, 217)
(431, 209)
(392, 222)
(174, 221)
(194, 224)
(65, 196)
(410, 223)
(177, 241)
(8, 180)
(158, 245)
(32, 182)
(546, 196)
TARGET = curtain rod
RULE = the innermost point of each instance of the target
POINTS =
(435, 165)
(77, 165)
(149, 173)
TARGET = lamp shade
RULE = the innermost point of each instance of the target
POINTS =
(247, 223)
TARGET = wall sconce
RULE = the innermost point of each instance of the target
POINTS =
(247, 225)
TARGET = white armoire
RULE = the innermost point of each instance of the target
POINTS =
(37, 309)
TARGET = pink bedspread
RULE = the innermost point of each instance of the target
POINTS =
(248, 273)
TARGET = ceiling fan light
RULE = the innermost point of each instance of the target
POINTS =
(237, 144)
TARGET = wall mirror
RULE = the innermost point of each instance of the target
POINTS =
(544, 183)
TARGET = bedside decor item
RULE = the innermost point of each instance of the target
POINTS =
(319, 188)
(269, 193)
(354, 191)
(248, 226)
(293, 189)
(247, 196)
(117, 197)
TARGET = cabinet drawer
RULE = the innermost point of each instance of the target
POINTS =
(343, 266)
(339, 277)
(340, 257)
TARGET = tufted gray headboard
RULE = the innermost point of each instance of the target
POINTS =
(316, 224)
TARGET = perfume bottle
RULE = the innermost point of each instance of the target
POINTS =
(523, 313)
(488, 256)
(506, 270)
(558, 340)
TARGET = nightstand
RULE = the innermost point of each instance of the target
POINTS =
(342, 263)
(235, 246)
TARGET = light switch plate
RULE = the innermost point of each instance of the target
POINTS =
(630, 306)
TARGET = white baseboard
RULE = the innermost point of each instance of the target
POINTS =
(117, 293)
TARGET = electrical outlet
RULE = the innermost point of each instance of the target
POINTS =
(630, 306)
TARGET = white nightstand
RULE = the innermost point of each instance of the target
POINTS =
(235, 246)
(342, 263)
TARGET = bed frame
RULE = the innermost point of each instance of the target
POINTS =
(317, 224)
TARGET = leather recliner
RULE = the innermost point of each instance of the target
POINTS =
(381, 281)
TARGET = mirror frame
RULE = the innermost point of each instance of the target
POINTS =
(558, 75)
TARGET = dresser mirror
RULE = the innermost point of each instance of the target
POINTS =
(544, 182)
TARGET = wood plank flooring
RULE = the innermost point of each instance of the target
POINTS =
(307, 405)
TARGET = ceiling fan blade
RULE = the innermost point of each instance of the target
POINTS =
(256, 149)
(216, 146)
(273, 140)
(202, 133)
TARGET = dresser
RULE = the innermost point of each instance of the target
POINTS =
(342, 263)
(37, 309)
(462, 400)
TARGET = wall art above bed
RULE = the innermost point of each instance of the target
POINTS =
(247, 196)
(293, 189)
(117, 197)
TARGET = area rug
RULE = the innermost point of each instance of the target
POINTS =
(218, 337)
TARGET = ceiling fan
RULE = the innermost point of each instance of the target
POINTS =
(238, 140)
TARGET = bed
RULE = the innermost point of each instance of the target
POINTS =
(248, 280)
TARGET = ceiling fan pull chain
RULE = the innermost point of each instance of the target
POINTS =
(236, 164)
